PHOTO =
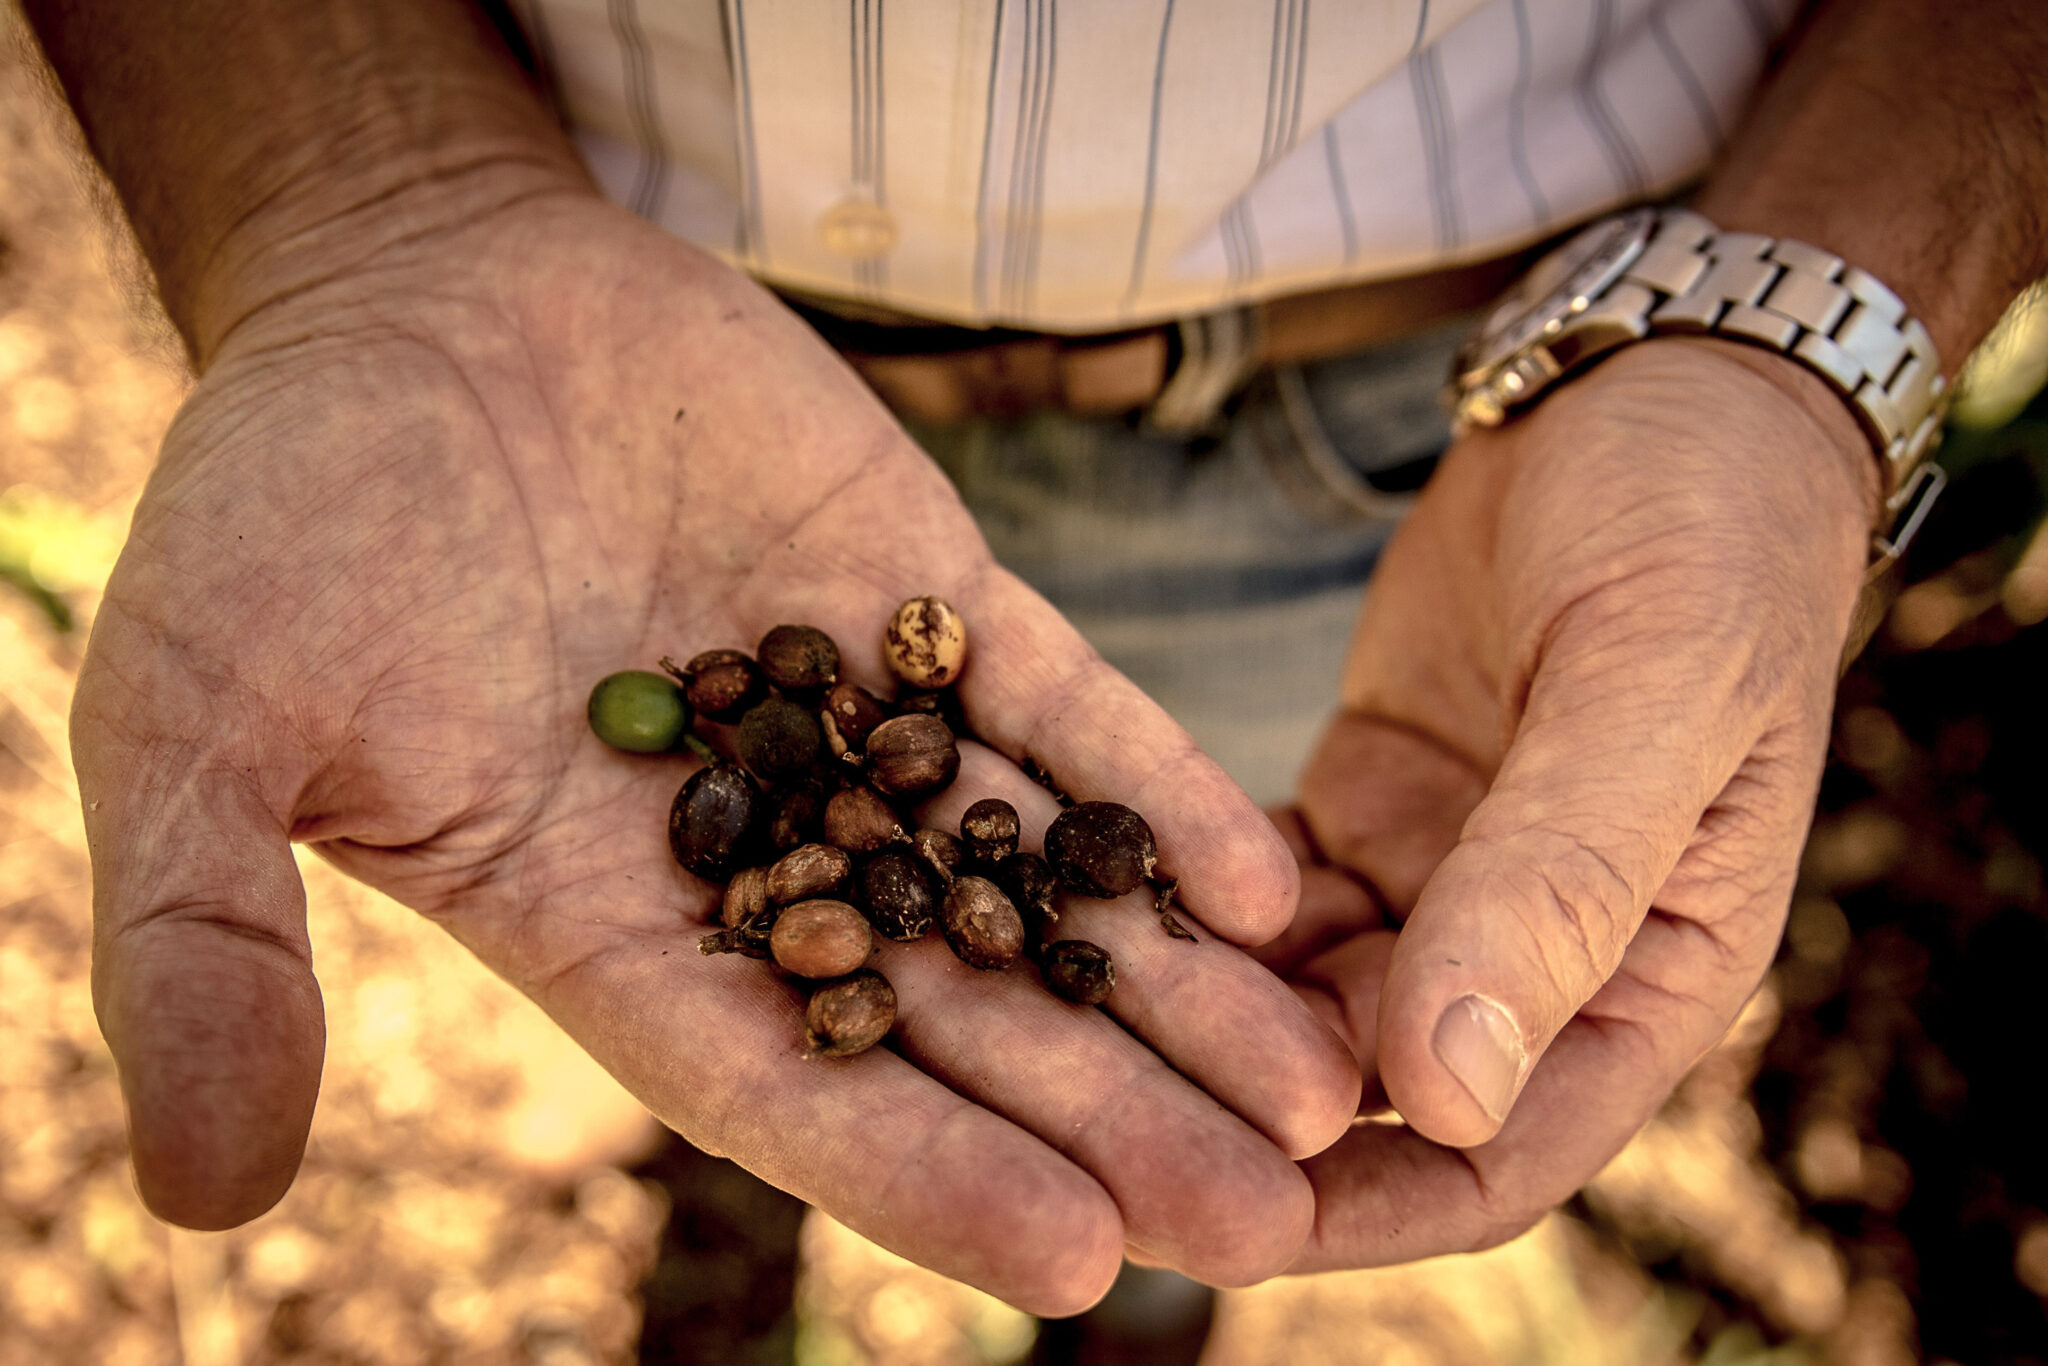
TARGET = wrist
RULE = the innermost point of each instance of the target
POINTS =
(263, 146)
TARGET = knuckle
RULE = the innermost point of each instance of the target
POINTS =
(1580, 908)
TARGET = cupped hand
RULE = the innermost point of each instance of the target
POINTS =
(1550, 838)
(408, 517)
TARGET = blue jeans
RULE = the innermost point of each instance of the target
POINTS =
(1221, 574)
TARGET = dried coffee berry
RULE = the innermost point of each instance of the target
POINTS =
(821, 939)
(926, 643)
(1029, 882)
(848, 1016)
(912, 756)
(940, 851)
(796, 815)
(860, 822)
(1080, 971)
(982, 927)
(1101, 849)
(811, 870)
(721, 684)
(778, 740)
(851, 713)
(896, 888)
(801, 660)
(746, 896)
(712, 821)
(944, 704)
(989, 830)
(639, 712)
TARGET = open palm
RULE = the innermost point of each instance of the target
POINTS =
(406, 520)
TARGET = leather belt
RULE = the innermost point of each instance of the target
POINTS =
(1178, 373)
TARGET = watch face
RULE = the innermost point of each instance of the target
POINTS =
(1559, 286)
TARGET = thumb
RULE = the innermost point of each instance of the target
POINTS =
(202, 971)
(1529, 915)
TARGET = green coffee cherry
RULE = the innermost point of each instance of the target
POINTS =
(639, 712)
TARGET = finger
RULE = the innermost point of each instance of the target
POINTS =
(1219, 1018)
(1036, 689)
(1596, 799)
(1386, 1194)
(714, 1047)
(202, 971)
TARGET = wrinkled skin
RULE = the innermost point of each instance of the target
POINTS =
(409, 515)
(1582, 726)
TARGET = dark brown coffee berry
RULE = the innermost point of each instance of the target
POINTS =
(721, 684)
(1029, 882)
(712, 821)
(821, 939)
(896, 888)
(1079, 971)
(746, 896)
(989, 830)
(796, 815)
(944, 704)
(982, 927)
(851, 713)
(810, 870)
(848, 1016)
(912, 756)
(801, 660)
(940, 851)
(1101, 849)
(860, 822)
(778, 740)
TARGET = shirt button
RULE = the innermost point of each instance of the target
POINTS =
(857, 229)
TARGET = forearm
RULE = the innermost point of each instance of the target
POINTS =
(1909, 137)
(260, 146)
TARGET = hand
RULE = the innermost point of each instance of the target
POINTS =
(409, 516)
(1583, 722)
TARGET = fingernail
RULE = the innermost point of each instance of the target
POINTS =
(1481, 1047)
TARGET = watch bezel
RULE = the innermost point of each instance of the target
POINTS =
(1563, 284)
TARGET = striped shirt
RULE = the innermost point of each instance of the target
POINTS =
(1086, 165)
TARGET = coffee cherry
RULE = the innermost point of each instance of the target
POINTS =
(912, 756)
(848, 1016)
(926, 644)
(723, 684)
(812, 870)
(821, 939)
(982, 927)
(850, 715)
(944, 704)
(940, 851)
(639, 712)
(1029, 882)
(801, 660)
(711, 820)
(778, 739)
(1101, 849)
(989, 829)
(796, 815)
(860, 822)
(896, 888)
(1079, 971)
(746, 896)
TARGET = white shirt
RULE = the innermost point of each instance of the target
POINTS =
(1087, 165)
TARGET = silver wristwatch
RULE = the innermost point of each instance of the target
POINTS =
(1660, 272)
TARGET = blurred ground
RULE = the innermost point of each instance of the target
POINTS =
(1855, 1177)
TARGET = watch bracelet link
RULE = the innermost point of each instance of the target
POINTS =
(1806, 303)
